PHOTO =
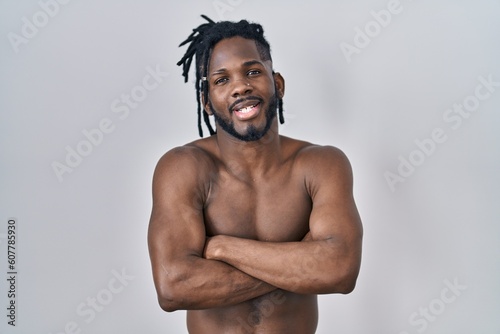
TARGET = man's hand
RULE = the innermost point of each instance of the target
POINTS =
(308, 237)
(210, 248)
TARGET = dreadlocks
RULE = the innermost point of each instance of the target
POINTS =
(202, 40)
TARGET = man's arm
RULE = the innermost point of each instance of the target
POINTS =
(329, 258)
(176, 239)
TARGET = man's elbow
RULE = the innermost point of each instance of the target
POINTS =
(171, 297)
(351, 277)
(344, 283)
(347, 285)
(168, 303)
(347, 274)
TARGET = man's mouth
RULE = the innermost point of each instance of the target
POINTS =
(247, 109)
(247, 112)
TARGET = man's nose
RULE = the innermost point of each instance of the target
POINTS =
(241, 87)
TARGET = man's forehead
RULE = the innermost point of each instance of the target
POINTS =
(234, 49)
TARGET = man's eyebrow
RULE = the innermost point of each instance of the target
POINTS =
(245, 64)
(219, 71)
(252, 62)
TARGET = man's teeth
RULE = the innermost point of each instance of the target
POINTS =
(246, 109)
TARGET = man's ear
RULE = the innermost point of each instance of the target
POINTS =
(205, 105)
(280, 84)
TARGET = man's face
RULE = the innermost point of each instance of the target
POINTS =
(242, 89)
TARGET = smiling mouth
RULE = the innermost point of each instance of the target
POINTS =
(246, 110)
(245, 104)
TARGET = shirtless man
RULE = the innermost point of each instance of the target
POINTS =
(248, 226)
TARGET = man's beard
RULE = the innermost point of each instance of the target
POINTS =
(252, 133)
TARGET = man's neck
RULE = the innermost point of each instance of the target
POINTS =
(252, 157)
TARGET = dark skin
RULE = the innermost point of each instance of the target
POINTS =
(244, 235)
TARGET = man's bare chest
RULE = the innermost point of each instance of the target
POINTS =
(274, 208)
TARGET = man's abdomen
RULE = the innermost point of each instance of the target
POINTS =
(276, 312)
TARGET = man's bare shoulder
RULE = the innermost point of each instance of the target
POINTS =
(190, 160)
(321, 165)
(314, 156)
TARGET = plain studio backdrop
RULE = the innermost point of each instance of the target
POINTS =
(91, 98)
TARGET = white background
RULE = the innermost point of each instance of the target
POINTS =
(440, 225)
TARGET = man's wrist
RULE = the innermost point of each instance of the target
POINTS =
(214, 248)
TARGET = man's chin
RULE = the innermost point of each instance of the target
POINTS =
(251, 133)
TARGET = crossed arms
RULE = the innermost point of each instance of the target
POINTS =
(192, 271)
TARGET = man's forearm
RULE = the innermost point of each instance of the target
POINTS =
(203, 284)
(311, 267)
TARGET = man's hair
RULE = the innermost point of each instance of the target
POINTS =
(202, 42)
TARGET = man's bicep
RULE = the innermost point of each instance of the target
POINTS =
(334, 222)
(176, 232)
(176, 227)
(334, 215)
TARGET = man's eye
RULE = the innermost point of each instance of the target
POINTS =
(220, 81)
(253, 72)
